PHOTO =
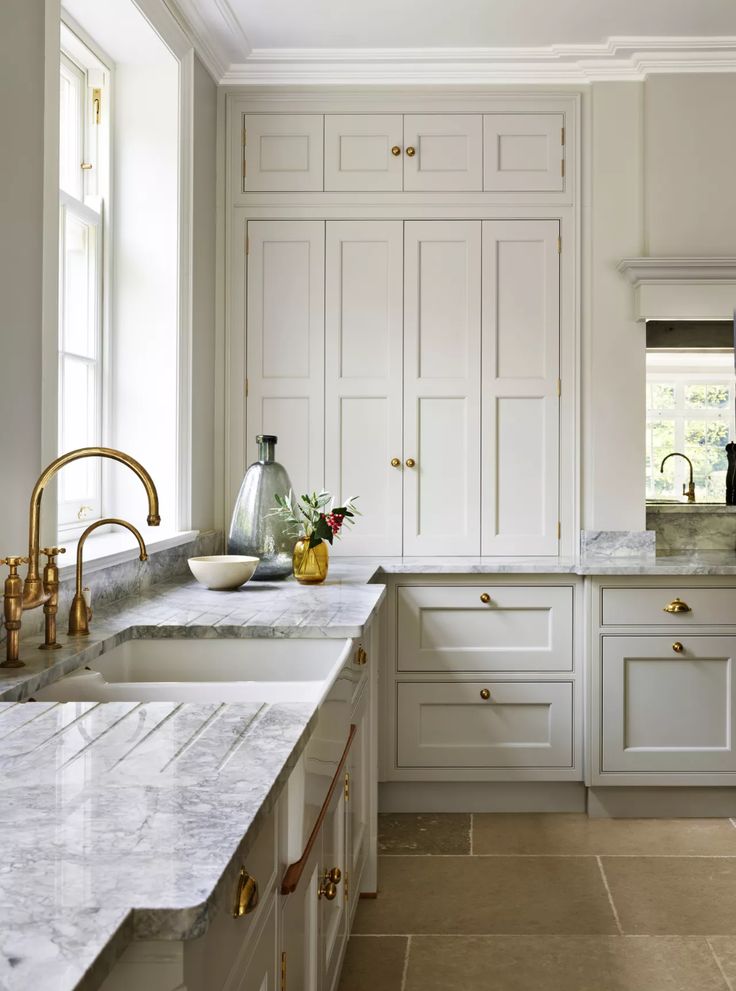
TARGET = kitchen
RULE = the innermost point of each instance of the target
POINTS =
(475, 269)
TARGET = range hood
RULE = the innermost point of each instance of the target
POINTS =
(679, 289)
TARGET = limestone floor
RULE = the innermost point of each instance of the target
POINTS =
(548, 903)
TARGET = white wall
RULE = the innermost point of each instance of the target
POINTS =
(22, 41)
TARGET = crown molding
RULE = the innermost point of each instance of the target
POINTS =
(682, 288)
(689, 270)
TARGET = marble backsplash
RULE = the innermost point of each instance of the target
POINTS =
(697, 527)
(617, 543)
(126, 578)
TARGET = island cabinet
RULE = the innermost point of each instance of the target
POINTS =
(482, 680)
(663, 690)
(282, 913)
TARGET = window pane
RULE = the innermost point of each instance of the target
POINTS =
(706, 396)
(662, 395)
(79, 305)
(78, 481)
(660, 442)
(70, 132)
(705, 442)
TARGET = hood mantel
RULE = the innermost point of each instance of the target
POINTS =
(680, 288)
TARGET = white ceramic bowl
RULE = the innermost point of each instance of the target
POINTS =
(223, 572)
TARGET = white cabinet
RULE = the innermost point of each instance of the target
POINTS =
(442, 387)
(668, 705)
(363, 152)
(489, 628)
(363, 395)
(261, 972)
(443, 152)
(523, 152)
(521, 360)
(282, 152)
(485, 724)
(285, 344)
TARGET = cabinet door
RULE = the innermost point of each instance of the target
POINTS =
(333, 923)
(665, 710)
(363, 152)
(523, 152)
(521, 360)
(451, 724)
(364, 284)
(261, 972)
(442, 387)
(300, 929)
(285, 345)
(283, 152)
(448, 152)
(359, 805)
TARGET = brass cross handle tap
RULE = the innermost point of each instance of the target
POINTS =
(13, 610)
(53, 552)
(51, 590)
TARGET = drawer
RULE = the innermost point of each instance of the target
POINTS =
(519, 724)
(646, 606)
(668, 705)
(519, 628)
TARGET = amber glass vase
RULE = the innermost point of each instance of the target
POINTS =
(310, 563)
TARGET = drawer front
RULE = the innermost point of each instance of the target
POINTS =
(519, 628)
(668, 708)
(452, 725)
(646, 606)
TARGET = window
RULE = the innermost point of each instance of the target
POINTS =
(690, 409)
(83, 183)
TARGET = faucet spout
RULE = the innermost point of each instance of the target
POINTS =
(690, 490)
(33, 591)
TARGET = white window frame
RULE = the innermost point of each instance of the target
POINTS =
(682, 368)
(92, 209)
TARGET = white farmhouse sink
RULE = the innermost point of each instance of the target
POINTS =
(245, 670)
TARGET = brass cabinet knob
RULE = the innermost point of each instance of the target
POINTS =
(677, 647)
(395, 462)
(411, 152)
(485, 694)
(335, 875)
(396, 151)
(246, 896)
(328, 885)
(485, 598)
(410, 462)
(677, 605)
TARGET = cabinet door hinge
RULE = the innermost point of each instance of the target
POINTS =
(559, 388)
(559, 245)
(283, 971)
(562, 168)
(559, 530)
(347, 787)
(347, 885)
(562, 135)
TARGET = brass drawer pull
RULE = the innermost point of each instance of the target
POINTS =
(677, 605)
(485, 598)
(677, 647)
(246, 897)
(396, 151)
(360, 656)
(328, 885)
(485, 694)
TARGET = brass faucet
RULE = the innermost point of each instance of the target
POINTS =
(35, 591)
(80, 614)
(688, 490)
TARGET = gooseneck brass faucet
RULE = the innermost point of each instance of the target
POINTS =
(688, 490)
(80, 614)
(35, 591)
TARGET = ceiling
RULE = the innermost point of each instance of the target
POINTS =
(240, 33)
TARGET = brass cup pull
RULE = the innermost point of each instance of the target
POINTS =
(246, 896)
(677, 647)
(411, 152)
(677, 605)
(395, 462)
(485, 694)
(396, 151)
(360, 656)
(485, 598)
(410, 462)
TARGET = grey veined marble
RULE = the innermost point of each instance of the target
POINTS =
(617, 543)
(698, 527)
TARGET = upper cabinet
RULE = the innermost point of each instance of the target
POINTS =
(429, 152)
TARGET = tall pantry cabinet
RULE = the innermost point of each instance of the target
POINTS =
(400, 353)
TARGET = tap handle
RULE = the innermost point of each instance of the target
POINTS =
(13, 563)
(52, 552)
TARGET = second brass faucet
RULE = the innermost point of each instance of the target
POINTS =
(688, 490)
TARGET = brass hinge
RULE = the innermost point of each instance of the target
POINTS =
(562, 135)
(347, 885)
(559, 245)
(283, 971)
(562, 168)
(559, 530)
(246, 388)
(559, 387)
(97, 104)
(347, 787)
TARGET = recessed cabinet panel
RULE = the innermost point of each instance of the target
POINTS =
(364, 285)
(283, 152)
(442, 387)
(358, 152)
(668, 709)
(516, 724)
(518, 628)
(448, 152)
(523, 152)
(260, 970)
(521, 358)
(285, 344)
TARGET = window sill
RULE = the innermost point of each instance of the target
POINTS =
(105, 550)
